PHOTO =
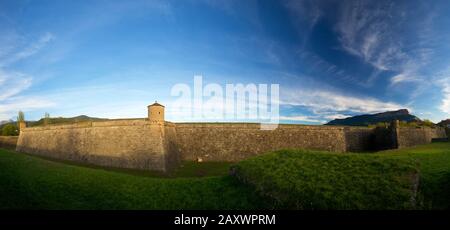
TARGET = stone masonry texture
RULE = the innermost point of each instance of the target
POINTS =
(154, 145)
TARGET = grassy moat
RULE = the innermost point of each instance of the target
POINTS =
(413, 178)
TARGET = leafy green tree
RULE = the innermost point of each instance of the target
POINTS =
(404, 124)
(428, 123)
(20, 118)
(10, 130)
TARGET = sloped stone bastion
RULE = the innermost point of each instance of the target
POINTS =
(155, 144)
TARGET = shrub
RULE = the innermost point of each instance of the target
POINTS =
(10, 130)
(428, 123)
(380, 125)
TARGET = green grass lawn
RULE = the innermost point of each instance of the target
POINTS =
(28, 182)
(298, 179)
(434, 166)
(187, 169)
(284, 179)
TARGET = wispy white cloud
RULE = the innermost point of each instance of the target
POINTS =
(374, 31)
(366, 30)
(325, 101)
(301, 118)
(13, 83)
(445, 104)
(35, 47)
(336, 116)
(11, 57)
(10, 107)
(404, 77)
(321, 66)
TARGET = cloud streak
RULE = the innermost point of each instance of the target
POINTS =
(445, 105)
(375, 32)
(301, 118)
(34, 48)
(13, 83)
(366, 31)
(10, 107)
(324, 102)
(27, 51)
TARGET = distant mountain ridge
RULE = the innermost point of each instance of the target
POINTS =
(55, 120)
(371, 119)
(444, 123)
(3, 123)
(6, 122)
(66, 120)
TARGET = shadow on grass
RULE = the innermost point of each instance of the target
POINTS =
(186, 169)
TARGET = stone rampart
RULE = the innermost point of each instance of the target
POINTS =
(237, 141)
(407, 137)
(120, 143)
(159, 145)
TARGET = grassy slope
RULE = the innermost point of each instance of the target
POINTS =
(434, 162)
(34, 183)
(321, 180)
(299, 179)
(64, 120)
(316, 180)
(185, 169)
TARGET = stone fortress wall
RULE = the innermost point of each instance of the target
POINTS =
(407, 137)
(8, 142)
(121, 143)
(237, 141)
(155, 144)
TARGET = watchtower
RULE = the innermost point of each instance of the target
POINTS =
(156, 112)
(22, 125)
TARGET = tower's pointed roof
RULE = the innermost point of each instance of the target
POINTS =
(156, 104)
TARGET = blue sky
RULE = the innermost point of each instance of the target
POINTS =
(332, 59)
